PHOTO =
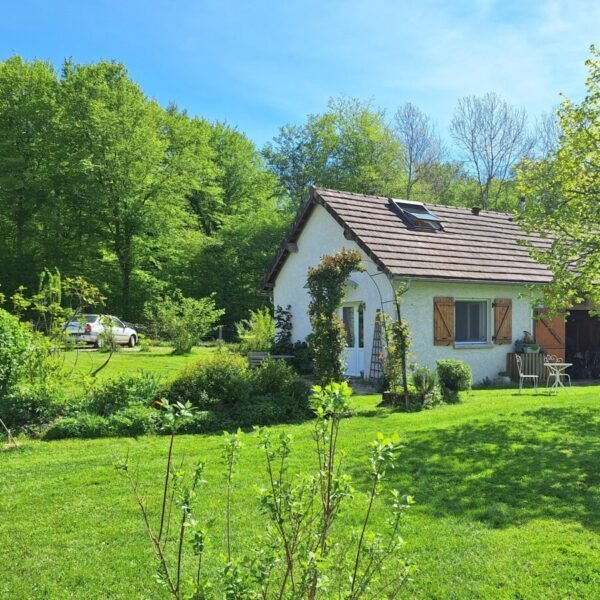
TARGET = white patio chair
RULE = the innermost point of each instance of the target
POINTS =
(523, 376)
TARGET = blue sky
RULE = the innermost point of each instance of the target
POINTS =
(259, 64)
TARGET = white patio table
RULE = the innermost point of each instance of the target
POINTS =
(556, 369)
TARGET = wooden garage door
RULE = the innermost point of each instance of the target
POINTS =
(550, 334)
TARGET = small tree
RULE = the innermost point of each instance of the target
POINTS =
(283, 329)
(16, 341)
(184, 321)
(396, 363)
(325, 285)
(303, 553)
(563, 196)
(257, 333)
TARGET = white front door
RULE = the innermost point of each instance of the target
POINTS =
(353, 316)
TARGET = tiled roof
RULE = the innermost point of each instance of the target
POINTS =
(480, 247)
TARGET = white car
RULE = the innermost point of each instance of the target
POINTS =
(87, 329)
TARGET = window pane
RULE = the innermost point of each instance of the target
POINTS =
(461, 322)
(348, 318)
(471, 321)
(361, 326)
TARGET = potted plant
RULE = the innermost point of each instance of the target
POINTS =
(524, 342)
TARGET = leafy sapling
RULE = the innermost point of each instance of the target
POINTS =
(231, 452)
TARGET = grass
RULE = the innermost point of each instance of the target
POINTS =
(507, 489)
(80, 364)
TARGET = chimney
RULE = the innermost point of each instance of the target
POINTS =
(521, 203)
(475, 210)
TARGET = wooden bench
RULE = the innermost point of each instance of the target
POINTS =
(255, 358)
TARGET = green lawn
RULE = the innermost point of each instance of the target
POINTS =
(79, 364)
(507, 490)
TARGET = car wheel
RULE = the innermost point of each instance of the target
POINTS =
(131, 342)
(98, 344)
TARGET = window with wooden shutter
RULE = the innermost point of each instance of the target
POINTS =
(502, 321)
(443, 321)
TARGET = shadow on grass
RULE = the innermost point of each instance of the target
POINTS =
(543, 464)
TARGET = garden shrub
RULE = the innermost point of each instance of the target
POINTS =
(270, 409)
(183, 321)
(123, 391)
(425, 382)
(237, 396)
(134, 421)
(33, 405)
(16, 342)
(257, 333)
(302, 360)
(277, 377)
(454, 376)
(204, 421)
(83, 425)
(223, 377)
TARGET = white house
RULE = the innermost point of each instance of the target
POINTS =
(462, 273)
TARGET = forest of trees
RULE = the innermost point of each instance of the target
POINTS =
(98, 180)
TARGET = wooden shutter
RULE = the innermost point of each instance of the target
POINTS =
(550, 333)
(443, 321)
(502, 321)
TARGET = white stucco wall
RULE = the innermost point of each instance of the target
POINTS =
(323, 235)
(485, 361)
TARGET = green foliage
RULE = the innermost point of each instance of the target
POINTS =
(90, 166)
(325, 285)
(299, 553)
(303, 360)
(134, 421)
(396, 359)
(234, 260)
(425, 382)
(183, 321)
(83, 425)
(283, 330)
(457, 460)
(276, 376)
(113, 395)
(16, 343)
(349, 147)
(562, 202)
(107, 339)
(270, 393)
(257, 333)
(29, 406)
(223, 377)
(454, 376)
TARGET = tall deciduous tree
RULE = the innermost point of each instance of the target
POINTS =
(563, 200)
(233, 262)
(493, 137)
(243, 183)
(133, 162)
(422, 146)
(28, 94)
(351, 147)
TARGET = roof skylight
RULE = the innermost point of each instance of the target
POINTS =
(416, 216)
